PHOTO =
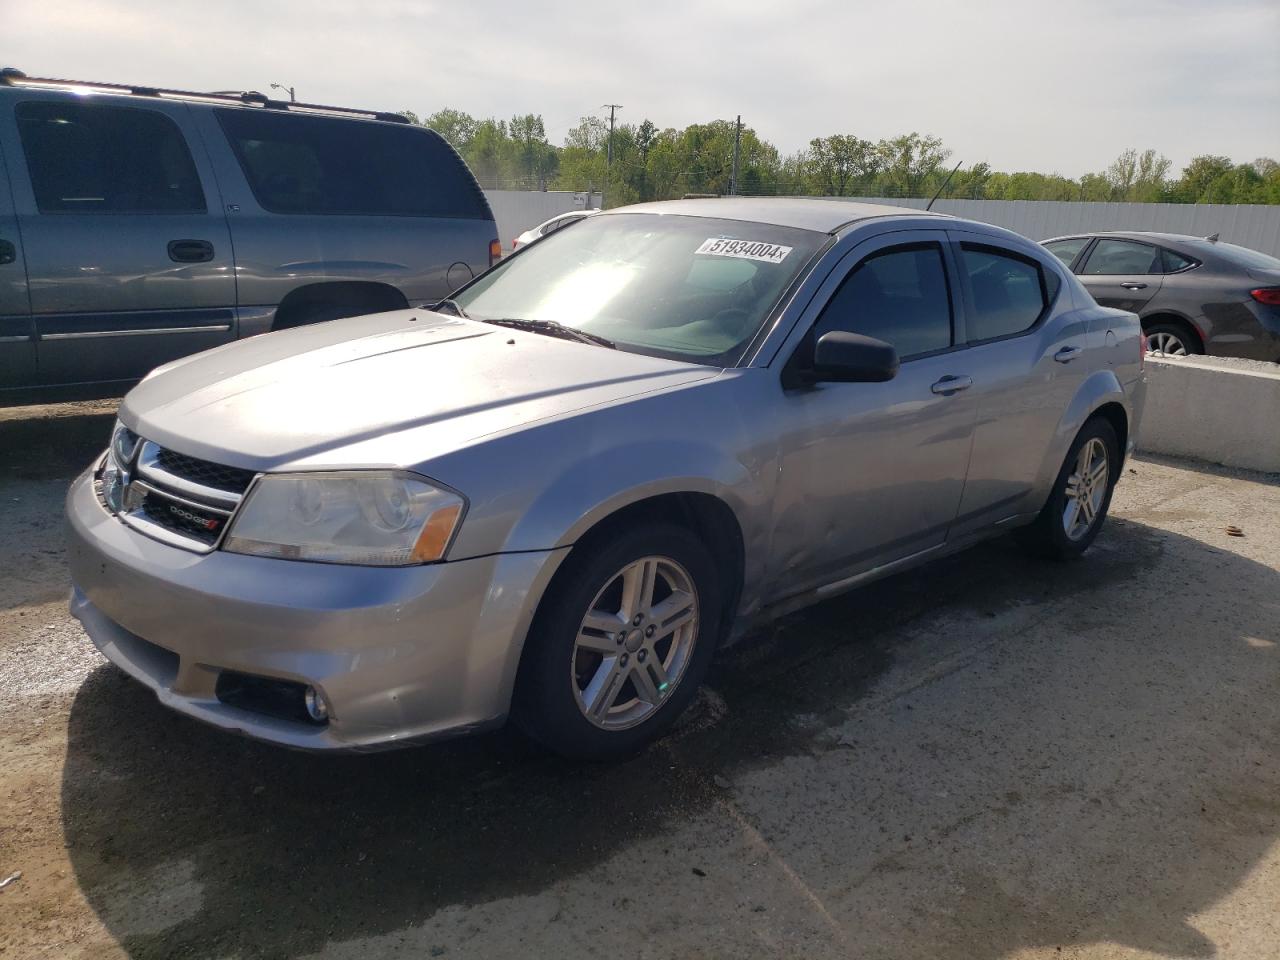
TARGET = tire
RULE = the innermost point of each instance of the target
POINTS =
(1172, 339)
(589, 691)
(1048, 535)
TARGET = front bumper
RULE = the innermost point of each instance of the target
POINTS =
(400, 654)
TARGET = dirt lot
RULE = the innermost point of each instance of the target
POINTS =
(987, 758)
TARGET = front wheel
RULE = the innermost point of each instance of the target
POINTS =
(1081, 495)
(621, 643)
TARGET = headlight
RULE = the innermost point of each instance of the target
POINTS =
(115, 468)
(372, 518)
(112, 484)
(124, 443)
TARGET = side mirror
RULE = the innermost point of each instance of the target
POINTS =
(842, 357)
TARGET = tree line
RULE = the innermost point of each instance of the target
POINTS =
(649, 163)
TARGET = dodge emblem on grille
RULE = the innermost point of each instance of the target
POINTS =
(207, 522)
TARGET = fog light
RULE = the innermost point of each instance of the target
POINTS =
(317, 709)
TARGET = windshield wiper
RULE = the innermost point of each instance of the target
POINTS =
(551, 329)
(453, 306)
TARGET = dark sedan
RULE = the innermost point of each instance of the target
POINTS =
(1193, 294)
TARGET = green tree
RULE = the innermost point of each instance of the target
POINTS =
(455, 126)
(841, 165)
(909, 162)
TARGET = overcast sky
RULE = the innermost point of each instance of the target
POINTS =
(1021, 84)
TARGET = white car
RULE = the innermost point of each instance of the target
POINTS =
(550, 226)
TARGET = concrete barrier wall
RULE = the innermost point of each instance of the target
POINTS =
(1221, 410)
(518, 210)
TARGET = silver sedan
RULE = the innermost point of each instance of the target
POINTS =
(553, 496)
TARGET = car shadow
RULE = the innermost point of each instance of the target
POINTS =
(290, 851)
(37, 448)
(39, 456)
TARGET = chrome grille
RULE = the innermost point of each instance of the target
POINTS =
(181, 500)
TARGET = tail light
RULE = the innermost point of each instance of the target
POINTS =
(1268, 295)
(495, 251)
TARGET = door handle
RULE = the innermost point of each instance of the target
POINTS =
(949, 385)
(8, 252)
(1067, 354)
(1133, 285)
(190, 251)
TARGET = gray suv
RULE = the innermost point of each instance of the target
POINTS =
(139, 225)
(553, 496)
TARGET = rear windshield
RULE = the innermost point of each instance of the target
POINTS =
(327, 165)
(1240, 256)
(687, 288)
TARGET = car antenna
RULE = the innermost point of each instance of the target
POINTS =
(1214, 238)
(943, 187)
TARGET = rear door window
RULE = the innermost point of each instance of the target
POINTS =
(1114, 258)
(95, 158)
(1009, 291)
(899, 295)
(299, 164)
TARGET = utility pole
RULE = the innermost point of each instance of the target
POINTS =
(608, 155)
(737, 148)
(288, 90)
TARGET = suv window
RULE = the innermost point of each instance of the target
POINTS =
(1173, 262)
(1119, 257)
(1010, 292)
(94, 158)
(327, 165)
(1067, 250)
(898, 295)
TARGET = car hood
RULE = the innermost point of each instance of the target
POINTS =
(342, 393)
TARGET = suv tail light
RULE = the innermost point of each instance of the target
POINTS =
(495, 251)
(1268, 295)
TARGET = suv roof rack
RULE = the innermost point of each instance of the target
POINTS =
(12, 77)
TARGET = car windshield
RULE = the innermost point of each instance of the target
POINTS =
(686, 288)
(1240, 256)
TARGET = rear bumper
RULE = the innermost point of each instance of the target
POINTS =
(400, 654)
(1252, 334)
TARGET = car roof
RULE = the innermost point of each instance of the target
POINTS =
(1148, 235)
(803, 213)
(14, 79)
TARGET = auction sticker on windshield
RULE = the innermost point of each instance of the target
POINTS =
(743, 249)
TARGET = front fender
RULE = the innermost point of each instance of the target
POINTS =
(590, 489)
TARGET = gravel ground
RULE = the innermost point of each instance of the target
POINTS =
(985, 758)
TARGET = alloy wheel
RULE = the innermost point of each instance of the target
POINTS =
(1167, 343)
(1086, 489)
(634, 643)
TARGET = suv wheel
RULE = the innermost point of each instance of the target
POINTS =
(1081, 495)
(621, 643)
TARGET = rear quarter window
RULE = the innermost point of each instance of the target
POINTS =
(298, 164)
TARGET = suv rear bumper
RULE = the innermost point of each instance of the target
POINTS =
(400, 654)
